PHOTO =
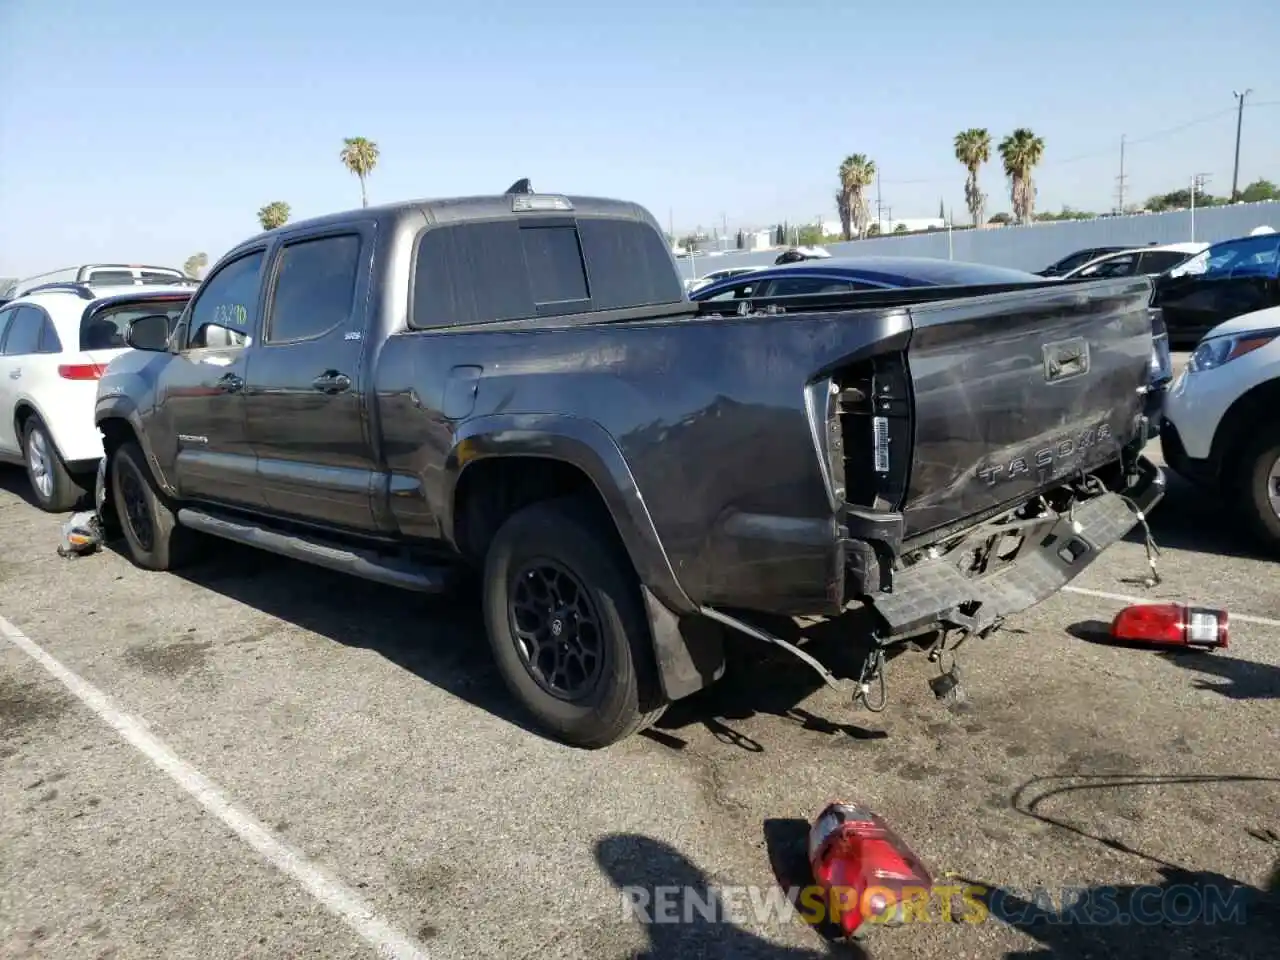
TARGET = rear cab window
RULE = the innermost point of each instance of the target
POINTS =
(105, 277)
(545, 266)
(160, 277)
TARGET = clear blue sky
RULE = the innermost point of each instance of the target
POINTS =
(143, 131)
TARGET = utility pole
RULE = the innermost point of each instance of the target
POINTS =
(1120, 180)
(879, 207)
(1235, 173)
(1197, 183)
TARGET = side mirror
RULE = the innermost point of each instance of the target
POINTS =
(149, 333)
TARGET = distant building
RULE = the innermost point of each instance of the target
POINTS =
(757, 240)
(911, 224)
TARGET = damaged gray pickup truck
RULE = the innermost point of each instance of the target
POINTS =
(517, 386)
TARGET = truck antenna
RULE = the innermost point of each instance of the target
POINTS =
(520, 186)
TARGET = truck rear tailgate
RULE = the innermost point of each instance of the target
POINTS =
(1015, 391)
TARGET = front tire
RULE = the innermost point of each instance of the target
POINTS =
(149, 524)
(54, 488)
(567, 625)
(1257, 493)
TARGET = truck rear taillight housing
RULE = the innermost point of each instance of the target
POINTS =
(869, 432)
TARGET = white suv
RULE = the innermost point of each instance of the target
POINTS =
(55, 343)
(1221, 426)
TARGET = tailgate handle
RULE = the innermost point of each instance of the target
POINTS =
(1065, 359)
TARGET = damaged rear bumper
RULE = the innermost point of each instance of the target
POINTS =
(935, 594)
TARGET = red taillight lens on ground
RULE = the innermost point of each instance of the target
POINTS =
(865, 870)
(82, 371)
(1172, 625)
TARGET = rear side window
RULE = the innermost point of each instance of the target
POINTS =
(5, 317)
(159, 277)
(23, 335)
(508, 270)
(1158, 261)
(801, 286)
(1120, 266)
(49, 340)
(315, 288)
(105, 329)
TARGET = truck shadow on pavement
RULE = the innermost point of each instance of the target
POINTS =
(438, 639)
(762, 679)
(1240, 679)
(698, 921)
(442, 640)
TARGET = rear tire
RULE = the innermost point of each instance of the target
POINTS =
(1257, 488)
(147, 520)
(552, 553)
(54, 488)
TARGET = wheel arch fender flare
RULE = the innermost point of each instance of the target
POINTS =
(121, 408)
(583, 444)
(687, 647)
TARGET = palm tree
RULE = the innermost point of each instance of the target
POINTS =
(856, 174)
(194, 264)
(274, 214)
(842, 207)
(360, 156)
(1021, 151)
(973, 149)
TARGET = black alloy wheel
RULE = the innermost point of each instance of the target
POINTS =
(556, 629)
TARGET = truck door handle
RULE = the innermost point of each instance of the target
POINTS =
(15, 374)
(331, 381)
(230, 383)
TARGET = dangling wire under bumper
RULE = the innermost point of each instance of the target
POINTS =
(873, 668)
(756, 633)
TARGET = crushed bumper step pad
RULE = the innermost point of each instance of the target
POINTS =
(931, 592)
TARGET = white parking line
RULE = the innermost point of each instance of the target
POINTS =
(336, 897)
(1124, 598)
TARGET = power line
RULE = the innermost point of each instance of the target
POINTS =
(1147, 138)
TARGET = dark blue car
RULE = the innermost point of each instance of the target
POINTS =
(851, 274)
(847, 274)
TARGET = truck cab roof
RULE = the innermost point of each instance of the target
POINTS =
(515, 257)
(442, 210)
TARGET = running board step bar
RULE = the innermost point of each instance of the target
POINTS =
(360, 563)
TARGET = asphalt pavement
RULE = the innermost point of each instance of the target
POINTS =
(262, 759)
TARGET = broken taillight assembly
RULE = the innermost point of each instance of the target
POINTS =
(1171, 625)
(866, 872)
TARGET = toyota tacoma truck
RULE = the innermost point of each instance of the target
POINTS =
(516, 390)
